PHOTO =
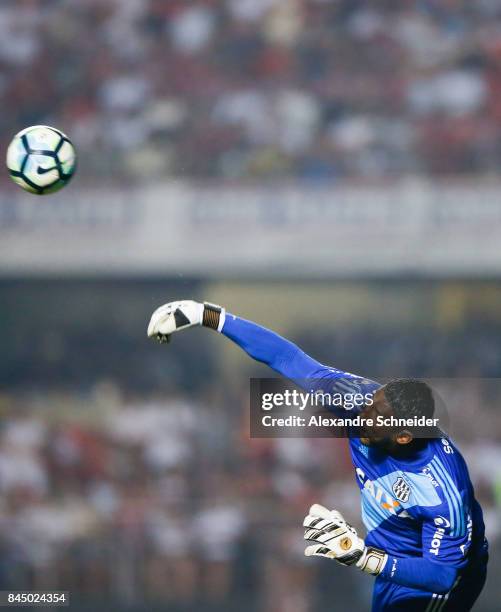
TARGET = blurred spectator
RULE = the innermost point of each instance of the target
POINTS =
(258, 89)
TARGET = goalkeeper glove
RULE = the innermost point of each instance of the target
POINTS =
(334, 538)
(175, 316)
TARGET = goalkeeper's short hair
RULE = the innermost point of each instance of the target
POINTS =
(409, 397)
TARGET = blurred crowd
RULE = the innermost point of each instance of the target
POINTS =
(258, 89)
(161, 500)
(168, 500)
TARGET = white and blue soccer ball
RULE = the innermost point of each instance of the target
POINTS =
(41, 159)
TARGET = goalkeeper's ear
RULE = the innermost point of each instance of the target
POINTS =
(404, 437)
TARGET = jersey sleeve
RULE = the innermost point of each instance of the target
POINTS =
(446, 538)
(291, 362)
(447, 528)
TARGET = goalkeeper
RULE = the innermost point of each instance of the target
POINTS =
(425, 538)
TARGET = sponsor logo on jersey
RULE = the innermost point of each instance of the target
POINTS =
(364, 450)
(469, 528)
(401, 489)
(441, 521)
(383, 498)
(427, 472)
(442, 524)
(436, 541)
(447, 447)
(393, 567)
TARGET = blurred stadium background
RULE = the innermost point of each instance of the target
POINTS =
(282, 158)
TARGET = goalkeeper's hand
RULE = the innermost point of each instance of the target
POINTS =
(176, 316)
(334, 538)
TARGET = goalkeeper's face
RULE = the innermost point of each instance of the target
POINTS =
(385, 437)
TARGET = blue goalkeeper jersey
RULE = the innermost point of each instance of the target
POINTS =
(423, 507)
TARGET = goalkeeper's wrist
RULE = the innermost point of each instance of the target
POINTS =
(213, 316)
(372, 561)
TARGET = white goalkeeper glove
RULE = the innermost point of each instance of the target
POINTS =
(175, 316)
(334, 538)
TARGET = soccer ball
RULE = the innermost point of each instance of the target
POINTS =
(41, 159)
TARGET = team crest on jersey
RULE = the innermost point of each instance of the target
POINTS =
(401, 489)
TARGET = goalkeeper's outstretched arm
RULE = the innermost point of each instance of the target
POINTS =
(260, 343)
